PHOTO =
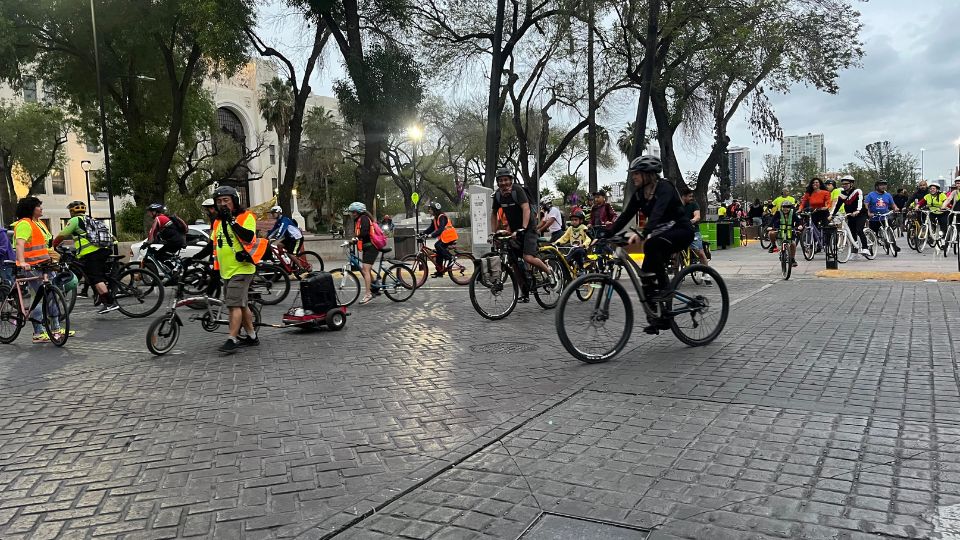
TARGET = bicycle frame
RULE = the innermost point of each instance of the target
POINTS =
(18, 284)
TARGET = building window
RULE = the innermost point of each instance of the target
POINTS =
(42, 188)
(49, 95)
(273, 155)
(275, 185)
(30, 90)
(57, 182)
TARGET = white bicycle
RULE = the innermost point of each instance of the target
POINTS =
(846, 240)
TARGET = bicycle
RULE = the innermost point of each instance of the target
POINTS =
(137, 292)
(504, 285)
(886, 235)
(295, 264)
(683, 259)
(811, 239)
(397, 281)
(846, 241)
(786, 264)
(929, 233)
(169, 269)
(697, 313)
(55, 316)
(556, 258)
(765, 239)
(460, 268)
(164, 332)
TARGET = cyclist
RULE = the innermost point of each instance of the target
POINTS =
(784, 196)
(901, 199)
(32, 238)
(954, 194)
(602, 214)
(7, 253)
(692, 211)
(511, 204)
(667, 229)
(851, 200)
(880, 202)
(236, 253)
(91, 258)
(755, 213)
(285, 231)
(919, 194)
(552, 221)
(578, 238)
(934, 200)
(363, 223)
(784, 226)
(442, 229)
(817, 200)
(169, 231)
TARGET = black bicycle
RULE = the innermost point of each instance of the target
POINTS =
(503, 276)
(138, 292)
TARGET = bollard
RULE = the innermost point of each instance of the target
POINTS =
(830, 246)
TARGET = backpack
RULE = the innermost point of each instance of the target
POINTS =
(97, 232)
(377, 238)
(6, 246)
(179, 224)
(318, 293)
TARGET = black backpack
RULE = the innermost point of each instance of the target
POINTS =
(174, 233)
(318, 293)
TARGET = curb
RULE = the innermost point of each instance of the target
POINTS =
(890, 275)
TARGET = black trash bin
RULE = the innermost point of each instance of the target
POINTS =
(830, 246)
(724, 234)
(404, 242)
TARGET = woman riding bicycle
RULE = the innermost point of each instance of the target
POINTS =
(817, 200)
(667, 229)
(442, 229)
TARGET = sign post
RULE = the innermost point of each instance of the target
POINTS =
(481, 205)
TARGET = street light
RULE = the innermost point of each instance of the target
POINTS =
(957, 142)
(415, 133)
(922, 150)
(86, 166)
(103, 126)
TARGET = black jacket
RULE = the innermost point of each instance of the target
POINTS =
(665, 207)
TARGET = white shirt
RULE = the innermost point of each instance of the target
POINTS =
(554, 212)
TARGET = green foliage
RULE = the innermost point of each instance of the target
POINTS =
(884, 161)
(130, 220)
(802, 172)
(29, 135)
(568, 184)
(384, 92)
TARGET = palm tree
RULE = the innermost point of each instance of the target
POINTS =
(625, 140)
(276, 107)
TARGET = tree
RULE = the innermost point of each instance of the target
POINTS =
(276, 107)
(567, 185)
(151, 71)
(774, 177)
(31, 144)
(884, 161)
(802, 172)
(324, 149)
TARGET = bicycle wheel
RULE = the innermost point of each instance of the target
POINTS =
(785, 267)
(844, 248)
(808, 244)
(272, 282)
(313, 260)
(163, 334)
(347, 285)
(11, 318)
(137, 292)
(56, 317)
(494, 299)
(584, 291)
(764, 239)
(870, 250)
(923, 237)
(911, 232)
(699, 313)
(462, 268)
(398, 282)
(949, 239)
(195, 280)
(597, 330)
(891, 241)
(418, 265)
(545, 294)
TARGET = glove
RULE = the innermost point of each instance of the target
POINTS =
(224, 214)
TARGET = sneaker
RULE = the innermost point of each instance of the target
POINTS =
(656, 325)
(247, 341)
(553, 279)
(523, 300)
(230, 346)
(793, 263)
(437, 274)
(41, 338)
(59, 334)
(96, 300)
(707, 280)
(896, 248)
(108, 309)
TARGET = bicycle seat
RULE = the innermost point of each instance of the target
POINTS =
(386, 249)
(114, 257)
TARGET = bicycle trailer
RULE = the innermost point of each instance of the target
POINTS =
(319, 304)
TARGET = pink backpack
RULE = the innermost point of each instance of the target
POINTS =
(377, 238)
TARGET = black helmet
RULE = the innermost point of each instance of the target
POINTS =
(227, 191)
(434, 206)
(503, 171)
(157, 207)
(647, 164)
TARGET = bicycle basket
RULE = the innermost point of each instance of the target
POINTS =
(490, 270)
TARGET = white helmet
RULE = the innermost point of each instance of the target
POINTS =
(848, 177)
(276, 209)
(208, 203)
(546, 201)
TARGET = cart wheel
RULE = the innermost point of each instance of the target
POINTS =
(336, 320)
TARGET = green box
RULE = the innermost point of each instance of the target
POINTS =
(736, 237)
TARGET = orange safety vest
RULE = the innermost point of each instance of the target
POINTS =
(256, 248)
(35, 250)
(449, 233)
(356, 231)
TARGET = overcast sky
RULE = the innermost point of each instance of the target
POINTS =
(905, 92)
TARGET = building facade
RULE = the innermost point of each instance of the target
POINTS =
(738, 161)
(238, 114)
(796, 147)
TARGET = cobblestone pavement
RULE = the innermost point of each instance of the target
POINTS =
(827, 409)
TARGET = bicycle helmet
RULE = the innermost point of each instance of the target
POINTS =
(503, 171)
(208, 203)
(647, 164)
(77, 207)
(157, 207)
(578, 214)
(357, 207)
(275, 209)
(66, 281)
(227, 191)
(830, 181)
(434, 206)
(546, 201)
(847, 178)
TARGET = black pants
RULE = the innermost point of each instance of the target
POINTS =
(856, 224)
(443, 254)
(657, 251)
(291, 245)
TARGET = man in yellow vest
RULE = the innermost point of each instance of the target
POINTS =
(236, 252)
(446, 236)
(31, 238)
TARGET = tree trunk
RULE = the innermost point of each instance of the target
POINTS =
(493, 99)
(591, 103)
(649, 62)
(8, 195)
(661, 113)
(369, 173)
(717, 152)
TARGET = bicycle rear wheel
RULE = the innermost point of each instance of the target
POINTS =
(891, 241)
(494, 299)
(808, 244)
(418, 265)
(56, 317)
(596, 330)
(785, 267)
(764, 239)
(870, 250)
(545, 294)
(347, 285)
(313, 260)
(462, 268)
(398, 282)
(163, 334)
(11, 318)
(844, 248)
(911, 231)
(699, 313)
(137, 292)
(272, 282)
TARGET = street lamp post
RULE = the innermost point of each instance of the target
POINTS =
(103, 125)
(85, 165)
(922, 150)
(415, 133)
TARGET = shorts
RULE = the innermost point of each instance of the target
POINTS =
(697, 243)
(236, 291)
(94, 266)
(370, 253)
(530, 244)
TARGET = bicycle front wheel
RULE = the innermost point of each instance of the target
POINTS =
(313, 261)
(764, 239)
(272, 282)
(545, 294)
(598, 329)
(11, 318)
(418, 265)
(494, 299)
(785, 267)
(137, 292)
(891, 241)
(347, 285)
(808, 244)
(462, 268)
(844, 248)
(698, 312)
(163, 334)
(398, 282)
(56, 317)
(870, 250)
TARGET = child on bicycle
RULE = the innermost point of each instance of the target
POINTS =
(784, 227)
(577, 237)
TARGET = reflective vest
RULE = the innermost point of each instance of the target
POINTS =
(786, 226)
(449, 233)
(935, 202)
(35, 250)
(256, 248)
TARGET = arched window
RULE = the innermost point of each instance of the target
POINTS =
(231, 124)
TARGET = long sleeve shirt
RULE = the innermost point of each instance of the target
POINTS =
(663, 210)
